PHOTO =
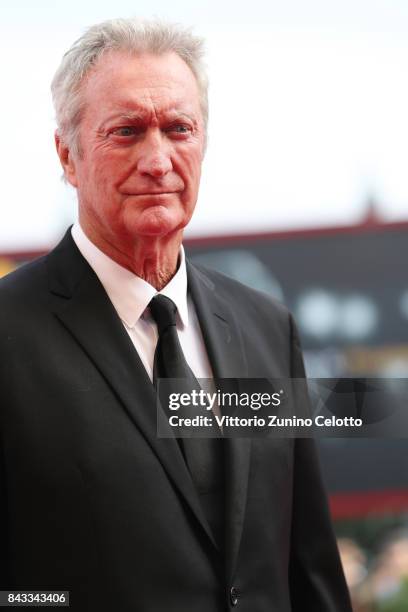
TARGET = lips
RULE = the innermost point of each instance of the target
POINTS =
(151, 193)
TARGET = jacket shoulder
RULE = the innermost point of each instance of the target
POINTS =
(241, 295)
(23, 282)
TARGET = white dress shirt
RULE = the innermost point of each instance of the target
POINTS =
(130, 296)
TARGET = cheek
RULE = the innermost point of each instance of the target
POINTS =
(195, 181)
(192, 171)
(97, 186)
(106, 168)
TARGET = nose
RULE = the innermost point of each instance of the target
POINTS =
(154, 158)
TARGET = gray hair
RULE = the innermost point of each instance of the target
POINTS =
(131, 35)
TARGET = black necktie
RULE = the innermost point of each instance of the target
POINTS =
(204, 456)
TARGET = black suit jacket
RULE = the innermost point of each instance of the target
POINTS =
(92, 501)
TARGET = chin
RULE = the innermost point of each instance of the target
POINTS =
(156, 222)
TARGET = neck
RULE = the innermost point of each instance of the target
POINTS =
(152, 258)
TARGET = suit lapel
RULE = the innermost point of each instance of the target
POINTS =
(227, 356)
(220, 330)
(84, 308)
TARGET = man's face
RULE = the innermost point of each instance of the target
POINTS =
(142, 141)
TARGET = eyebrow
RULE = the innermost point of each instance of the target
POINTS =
(137, 116)
(129, 116)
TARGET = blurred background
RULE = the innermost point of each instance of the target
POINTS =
(304, 195)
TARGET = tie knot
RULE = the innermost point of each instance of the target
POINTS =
(163, 311)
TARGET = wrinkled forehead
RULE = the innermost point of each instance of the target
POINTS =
(137, 83)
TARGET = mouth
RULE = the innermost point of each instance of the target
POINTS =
(152, 193)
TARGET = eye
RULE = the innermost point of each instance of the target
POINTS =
(179, 129)
(125, 131)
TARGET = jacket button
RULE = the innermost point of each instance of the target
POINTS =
(234, 596)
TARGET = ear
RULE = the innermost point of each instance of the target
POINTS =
(66, 159)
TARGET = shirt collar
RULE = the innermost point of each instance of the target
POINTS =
(130, 294)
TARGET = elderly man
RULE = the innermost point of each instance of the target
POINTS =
(92, 500)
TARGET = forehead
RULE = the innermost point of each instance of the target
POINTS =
(121, 81)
